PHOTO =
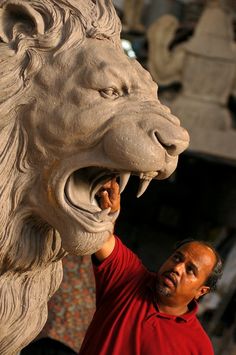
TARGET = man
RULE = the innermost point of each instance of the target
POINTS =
(144, 313)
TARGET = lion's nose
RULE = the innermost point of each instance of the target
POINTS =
(174, 144)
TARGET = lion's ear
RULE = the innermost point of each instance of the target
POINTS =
(18, 17)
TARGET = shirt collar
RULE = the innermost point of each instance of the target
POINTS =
(192, 307)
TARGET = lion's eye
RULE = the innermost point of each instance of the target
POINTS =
(110, 93)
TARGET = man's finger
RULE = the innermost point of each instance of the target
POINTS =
(110, 195)
(114, 191)
(115, 186)
(105, 200)
(107, 184)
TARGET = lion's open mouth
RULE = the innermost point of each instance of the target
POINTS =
(83, 185)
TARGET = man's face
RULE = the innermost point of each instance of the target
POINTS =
(184, 273)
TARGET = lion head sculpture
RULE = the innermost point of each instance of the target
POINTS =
(74, 111)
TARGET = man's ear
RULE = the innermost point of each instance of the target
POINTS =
(202, 291)
(18, 17)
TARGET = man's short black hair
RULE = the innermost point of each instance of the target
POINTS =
(217, 270)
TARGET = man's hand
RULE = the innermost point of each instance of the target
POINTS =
(109, 196)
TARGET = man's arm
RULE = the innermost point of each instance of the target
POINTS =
(106, 249)
(109, 196)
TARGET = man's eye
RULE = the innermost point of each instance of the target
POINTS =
(190, 271)
(176, 258)
(110, 93)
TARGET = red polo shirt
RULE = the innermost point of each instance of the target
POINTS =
(126, 322)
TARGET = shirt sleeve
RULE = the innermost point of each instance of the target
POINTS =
(117, 270)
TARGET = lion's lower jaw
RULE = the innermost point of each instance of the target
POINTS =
(87, 243)
(84, 232)
(23, 305)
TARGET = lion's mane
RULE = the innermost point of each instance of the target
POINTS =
(31, 249)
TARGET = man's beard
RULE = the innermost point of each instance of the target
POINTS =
(161, 289)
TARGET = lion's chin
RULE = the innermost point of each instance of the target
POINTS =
(85, 243)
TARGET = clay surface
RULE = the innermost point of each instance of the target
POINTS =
(74, 111)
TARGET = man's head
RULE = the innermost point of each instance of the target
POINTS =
(190, 272)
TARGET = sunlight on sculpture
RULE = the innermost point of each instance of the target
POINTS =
(74, 112)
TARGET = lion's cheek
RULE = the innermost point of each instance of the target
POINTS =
(134, 154)
(66, 126)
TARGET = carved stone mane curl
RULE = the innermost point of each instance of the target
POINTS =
(30, 249)
(68, 24)
(65, 20)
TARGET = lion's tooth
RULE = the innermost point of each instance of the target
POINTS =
(143, 185)
(145, 179)
(148, 175)
(124, 178)
(102, 215)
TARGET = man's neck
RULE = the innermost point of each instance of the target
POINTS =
(168, 305)
(172, 310)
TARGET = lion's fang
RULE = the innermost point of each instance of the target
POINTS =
(143, 185)
(145, 179)
(124, 178)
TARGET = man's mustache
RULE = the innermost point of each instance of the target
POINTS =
(171, 276)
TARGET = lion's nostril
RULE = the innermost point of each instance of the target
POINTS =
(171, 148)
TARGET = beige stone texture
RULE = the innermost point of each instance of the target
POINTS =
(206, 67)
(164, 65)
(74, 112)
(132, 15)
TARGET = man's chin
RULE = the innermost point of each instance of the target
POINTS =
(163, 290)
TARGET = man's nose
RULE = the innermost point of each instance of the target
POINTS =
(178, 269)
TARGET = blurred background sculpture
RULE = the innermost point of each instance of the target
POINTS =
(74, 111)
(205, 66)
(132, 15)
(166, 66)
